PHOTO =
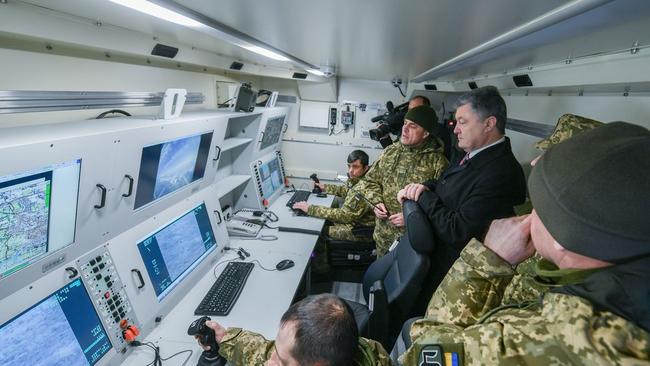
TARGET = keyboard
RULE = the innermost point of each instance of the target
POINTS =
(226, 289)
(297, 197)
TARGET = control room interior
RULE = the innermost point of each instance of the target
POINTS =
(144, 151)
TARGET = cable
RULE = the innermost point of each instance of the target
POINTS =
(224, 103)
(262, 267)
(178, 353)
(117, 111)
(400, 90)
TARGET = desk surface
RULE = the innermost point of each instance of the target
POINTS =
(265, 297)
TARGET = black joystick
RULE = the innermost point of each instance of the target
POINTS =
(207, 338)
(316, 187)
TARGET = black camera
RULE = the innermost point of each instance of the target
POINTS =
(390, 122)
(206, 336)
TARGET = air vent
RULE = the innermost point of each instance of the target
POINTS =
(472, 85)
(299, 75)
(522, 80)
(236, 65)
(430, 87)
(164, 51)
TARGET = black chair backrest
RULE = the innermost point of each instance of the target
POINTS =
(403, 270)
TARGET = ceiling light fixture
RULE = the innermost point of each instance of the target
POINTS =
(158, 12)
(174, 12)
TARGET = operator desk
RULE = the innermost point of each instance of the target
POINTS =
(264, 298)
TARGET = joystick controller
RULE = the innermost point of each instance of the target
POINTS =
(206, 336)
(316, 189)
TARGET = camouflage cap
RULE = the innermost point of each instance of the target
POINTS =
(591, 192)
(567, 126)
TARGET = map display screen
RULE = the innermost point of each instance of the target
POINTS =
(169, 166)
(62, 329)
(172, 252)
(271, 177)
(38, 211)
(272, 132)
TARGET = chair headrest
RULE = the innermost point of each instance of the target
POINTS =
(418, 228)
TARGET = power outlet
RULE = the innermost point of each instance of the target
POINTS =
(333, 114)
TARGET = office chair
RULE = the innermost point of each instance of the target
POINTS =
(392, 283)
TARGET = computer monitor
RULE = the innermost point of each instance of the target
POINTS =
(62, 329)
(270, 177)
(38, 213)
(170, 166)
(173, 251)
(272, 132)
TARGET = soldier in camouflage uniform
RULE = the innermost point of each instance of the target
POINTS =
(353, 212)
(586, 301)
(418, 156)
(319, 329)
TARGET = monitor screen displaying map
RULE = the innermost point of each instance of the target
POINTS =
(170, 166)
(173, 251)
(272, 132)
(62, 329)
(38, 213)
(271, 177)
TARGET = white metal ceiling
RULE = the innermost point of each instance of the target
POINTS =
(366, 39)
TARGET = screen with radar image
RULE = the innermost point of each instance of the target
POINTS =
(272, 132)
(38, 213)
(271, 177)
(62, 329)
(173, 251)
(169, 166)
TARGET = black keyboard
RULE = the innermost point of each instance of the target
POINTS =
(226, 289)
(297, 197)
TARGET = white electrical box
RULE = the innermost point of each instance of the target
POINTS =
(314, 114)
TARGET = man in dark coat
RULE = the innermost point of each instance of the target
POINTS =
(484, 185)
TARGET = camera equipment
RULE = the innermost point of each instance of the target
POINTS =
(316, 188)
(207, 338)
(389, 122)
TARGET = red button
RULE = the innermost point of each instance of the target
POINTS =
(107, 294)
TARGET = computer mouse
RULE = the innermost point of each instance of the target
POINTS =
(284, 264)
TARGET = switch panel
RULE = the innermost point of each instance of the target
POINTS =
(108, 293)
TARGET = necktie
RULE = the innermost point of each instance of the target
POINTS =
(464, 160)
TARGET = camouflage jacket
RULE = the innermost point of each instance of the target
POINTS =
(353, 210)
(244, 348)
(396, 167)
(489, 314)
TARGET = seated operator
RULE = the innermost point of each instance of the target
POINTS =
(416, 157)
(354, 212)
(319, 330)
(484, 185)
(586, 302)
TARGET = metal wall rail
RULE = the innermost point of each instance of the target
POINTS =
(530, 128)
(22, 101)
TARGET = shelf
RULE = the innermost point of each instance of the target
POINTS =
(228, 184)
(233, 142)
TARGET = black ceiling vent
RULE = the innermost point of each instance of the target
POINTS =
(236, 65)
(164, 51)
(299, 75)
(472, 85)
(430, 87)
(522, 80)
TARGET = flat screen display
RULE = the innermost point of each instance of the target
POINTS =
(272, 132)
(62, 329)
(173, 251)
(271, 177)
(170, 166)
(38, 213)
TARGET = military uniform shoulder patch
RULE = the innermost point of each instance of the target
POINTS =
(435, 355)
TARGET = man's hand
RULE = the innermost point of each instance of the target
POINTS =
(320, 185)
(510, 239)
(397, 219)
(219, 333)
(302, 206)
(380, 211)
(411, 192)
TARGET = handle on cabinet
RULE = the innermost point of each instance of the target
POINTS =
(102, 202)
(218, 150)
(137, 271)
(130, 192)
(218, 216)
